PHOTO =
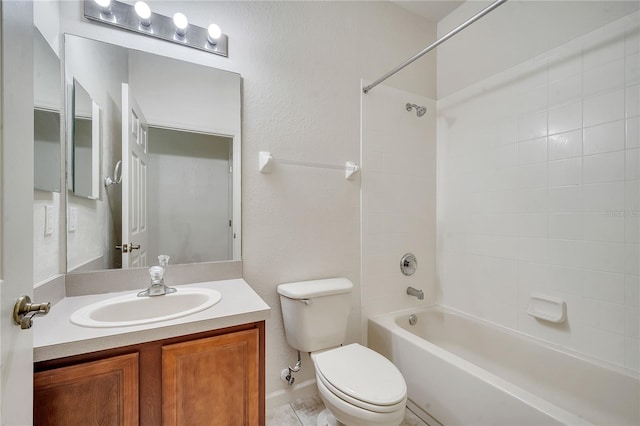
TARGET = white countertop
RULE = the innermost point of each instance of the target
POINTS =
(55, 336)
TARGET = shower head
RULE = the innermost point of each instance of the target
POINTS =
(420, 110)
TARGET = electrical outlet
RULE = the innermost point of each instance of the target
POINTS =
(73, 219)
(49, 219)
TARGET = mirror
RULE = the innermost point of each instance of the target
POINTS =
(85, 159)
(48, 169)
(46, 115)
(171, 130)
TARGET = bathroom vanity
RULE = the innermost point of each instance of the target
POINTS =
(205, 368)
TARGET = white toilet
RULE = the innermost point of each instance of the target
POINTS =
(357, 385)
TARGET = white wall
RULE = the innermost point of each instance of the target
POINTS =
(398, 199)
(301, 64)
(538, 186)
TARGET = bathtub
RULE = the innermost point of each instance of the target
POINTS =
(463, 370)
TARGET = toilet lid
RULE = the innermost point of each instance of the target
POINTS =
(362, 374)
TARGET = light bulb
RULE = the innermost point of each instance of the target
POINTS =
(181, 23)
(213, 33)
(105, 5)
(144, 13)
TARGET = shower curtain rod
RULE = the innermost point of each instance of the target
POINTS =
(435, 44)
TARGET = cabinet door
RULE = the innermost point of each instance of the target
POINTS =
(212, 381)
(103, 392)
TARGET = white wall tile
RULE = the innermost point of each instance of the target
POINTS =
(506, 156)
(632, 101)
(605, 345)
(632, 290)
(567, 199)
(565, 172)
(530, 200)
(603, 108)
(606, 197)
(565, 90)
(565, 145)
(604, 227)
(632, 259)
(631, 197)
(565, 279)
(565, 118)
(632, 41)
(600, 168)
(631, 354)
(532, 125)
(632, 69)
(633, 132)
(605, 315)
(604, 138)
(631, 164)
(631, 227)
(607, 257)
(566, 226)
(532, 176)
(632, 322)
(605, 77)
(566, 252)
(533, 250)
(532, 225)
(532, 151)
(605, 286)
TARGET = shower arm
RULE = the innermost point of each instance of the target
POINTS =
(435, 44)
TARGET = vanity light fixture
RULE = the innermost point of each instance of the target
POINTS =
(144, 13)
(181, 22)
(140, 19)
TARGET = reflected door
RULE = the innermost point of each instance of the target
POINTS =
(135, 160)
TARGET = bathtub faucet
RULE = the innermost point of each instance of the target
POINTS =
(415, 292)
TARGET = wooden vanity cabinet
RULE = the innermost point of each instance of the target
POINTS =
(211, 378)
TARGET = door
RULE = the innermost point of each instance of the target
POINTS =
(98, 392)
(135, 158)
(16, 208)
(212, 381)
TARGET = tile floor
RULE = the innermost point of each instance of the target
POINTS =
(304, 412)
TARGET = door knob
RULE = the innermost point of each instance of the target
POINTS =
(129, 247)
(24, 311)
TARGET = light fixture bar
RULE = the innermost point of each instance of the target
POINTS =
(124, 16)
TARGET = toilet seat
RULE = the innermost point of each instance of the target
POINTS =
(362, 377)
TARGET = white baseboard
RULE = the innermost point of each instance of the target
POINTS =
(285, 396)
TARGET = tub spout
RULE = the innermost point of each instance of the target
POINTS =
(415, 292)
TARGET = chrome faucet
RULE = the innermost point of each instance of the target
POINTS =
(157, 287)
(415, 292)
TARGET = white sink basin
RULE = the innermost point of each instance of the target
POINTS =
(131, 310)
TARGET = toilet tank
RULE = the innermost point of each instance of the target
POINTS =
(316, 313)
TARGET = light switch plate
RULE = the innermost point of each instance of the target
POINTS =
(49, 219)
(73, 219)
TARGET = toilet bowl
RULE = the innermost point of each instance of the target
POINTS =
(359, 387)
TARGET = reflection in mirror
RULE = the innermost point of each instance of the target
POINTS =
(176, 128)
(46, 115)
(47, 202)
(86, 144)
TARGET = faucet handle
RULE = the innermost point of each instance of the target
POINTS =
(163, 260)
(156, 272)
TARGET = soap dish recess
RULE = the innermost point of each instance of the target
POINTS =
(547, 308)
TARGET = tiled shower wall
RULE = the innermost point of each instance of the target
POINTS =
(538, 193)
